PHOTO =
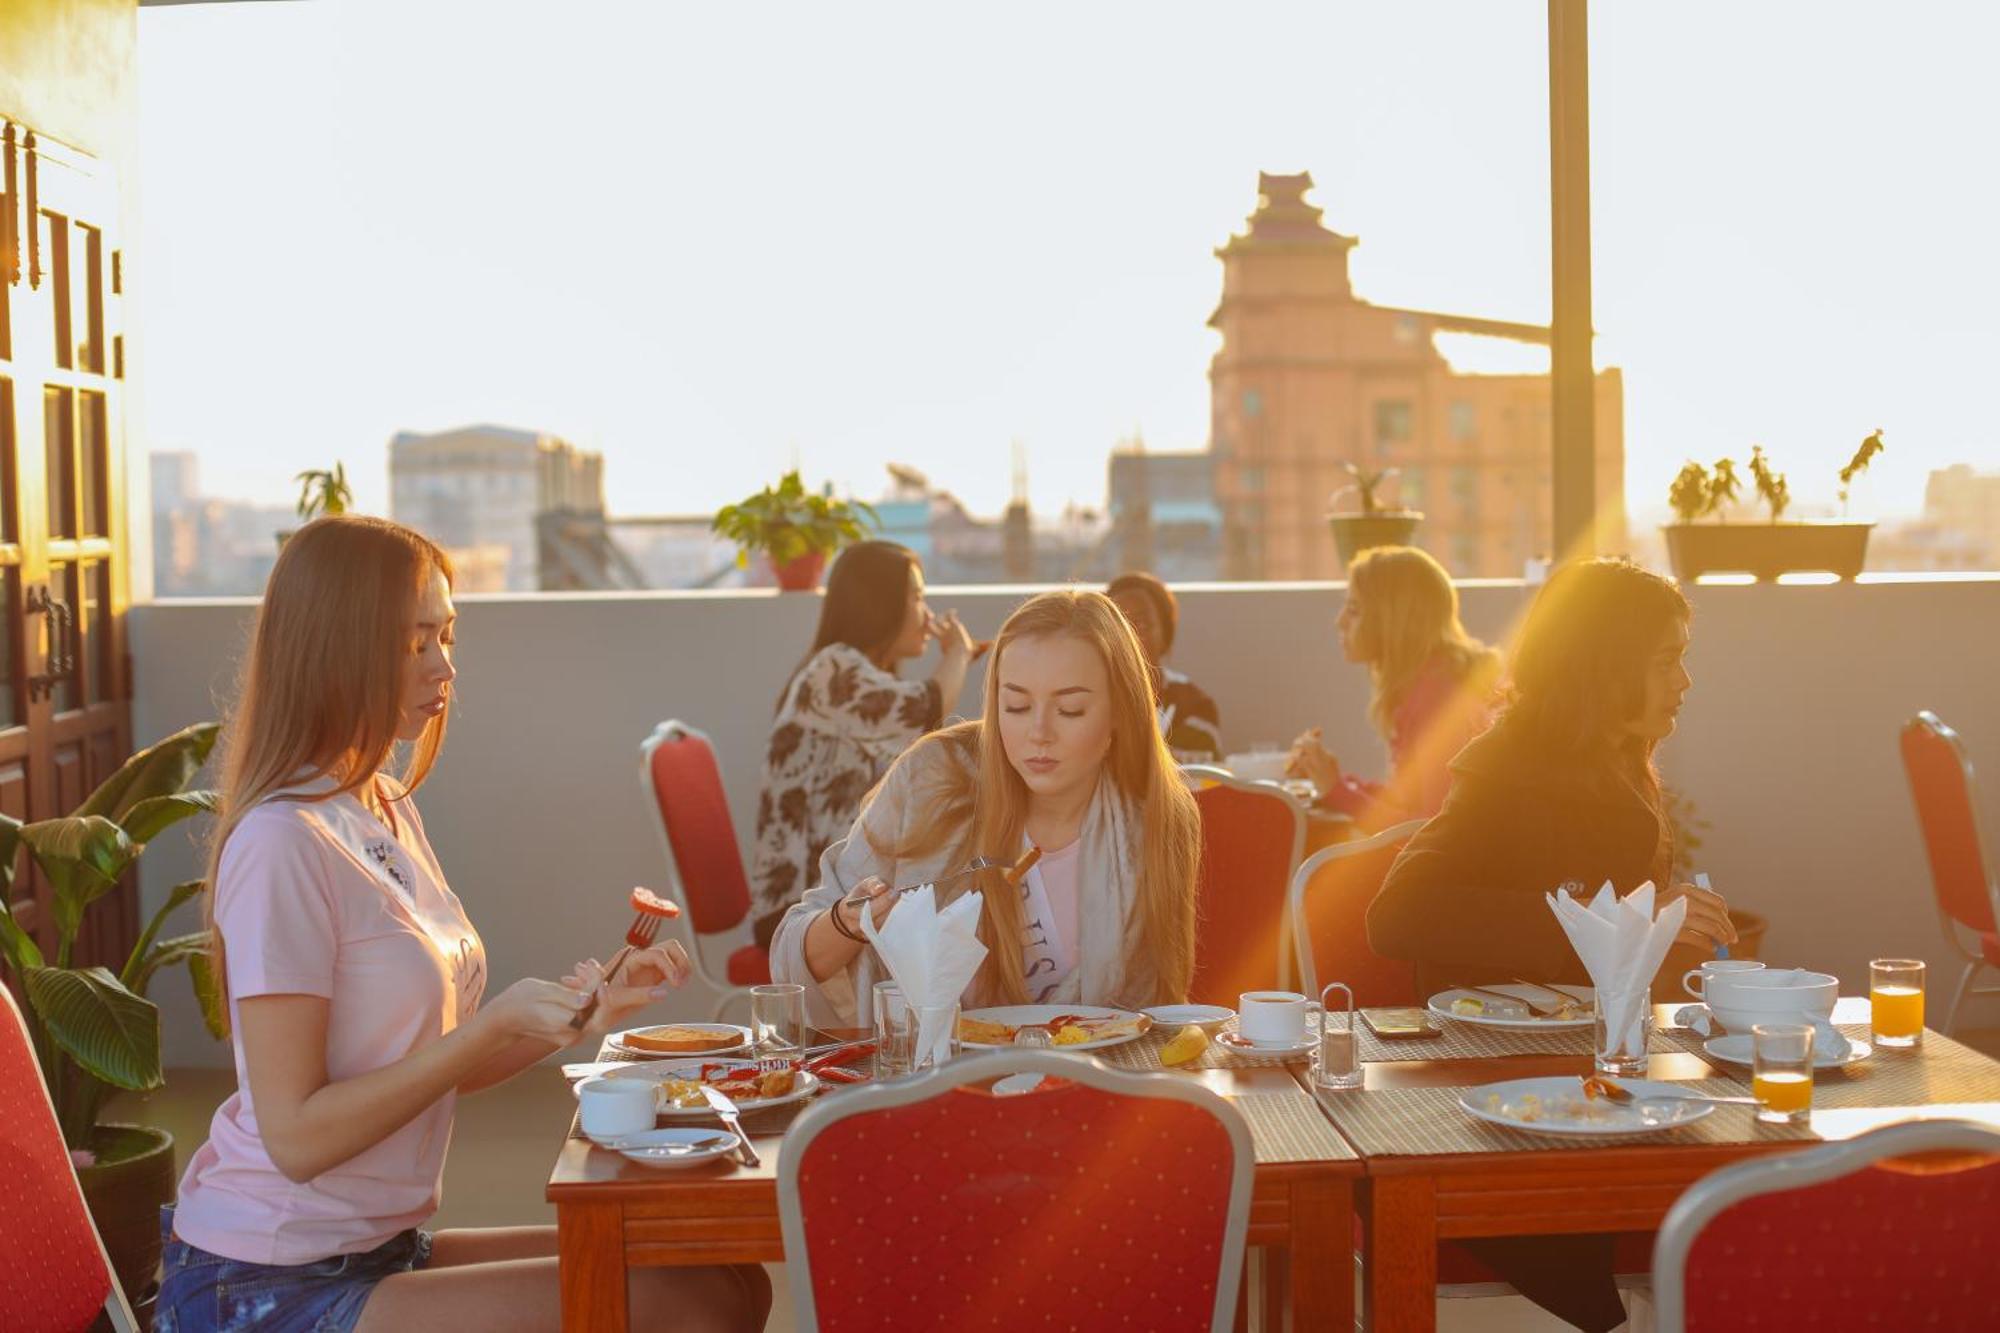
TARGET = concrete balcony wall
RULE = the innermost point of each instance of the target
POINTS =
(1787, 745)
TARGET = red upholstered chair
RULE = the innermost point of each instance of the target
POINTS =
(705, 868)
(54, 1274)
(1253, 835)
(1099, 1199)
(1329, 909)
(1859, 1234)
(1968, 901)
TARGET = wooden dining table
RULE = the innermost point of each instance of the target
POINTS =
(613, 1216)
(1434, 1173)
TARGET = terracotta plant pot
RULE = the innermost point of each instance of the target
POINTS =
(1355, 533)
(1767, 550)
(131, 1181)
(800, 573)
(1750, 928)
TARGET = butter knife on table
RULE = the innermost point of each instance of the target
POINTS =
(727, 1110)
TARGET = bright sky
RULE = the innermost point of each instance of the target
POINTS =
(712, 240)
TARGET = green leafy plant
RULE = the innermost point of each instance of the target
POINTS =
(1863, 456)
(94, 1031)
(788, 521)
(1723, 487)
(1691, 495)
(1772, 488)
(1365, 485)
(323, 492)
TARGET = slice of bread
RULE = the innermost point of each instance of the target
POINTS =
(680, 1039)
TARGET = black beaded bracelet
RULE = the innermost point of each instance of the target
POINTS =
(841, 926)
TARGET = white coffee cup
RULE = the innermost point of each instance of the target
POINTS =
(611, 1108)
(1272, 1017)
(1773, 995)
(1714, 967)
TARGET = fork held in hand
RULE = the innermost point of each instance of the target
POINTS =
(645, 929)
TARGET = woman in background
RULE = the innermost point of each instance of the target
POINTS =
(1187, 716)
(1065, 757)
(845, 714)
(1432, 686)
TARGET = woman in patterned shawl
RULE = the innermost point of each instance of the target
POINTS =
(845, 714)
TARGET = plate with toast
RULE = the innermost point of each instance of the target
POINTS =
(671, 1041)
(1071, 1027)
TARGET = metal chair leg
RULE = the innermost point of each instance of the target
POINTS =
(1958, 996)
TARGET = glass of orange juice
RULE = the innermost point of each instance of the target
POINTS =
(1896, 1001)
(1781, 1071)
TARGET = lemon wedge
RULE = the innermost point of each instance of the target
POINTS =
(1186, 1046)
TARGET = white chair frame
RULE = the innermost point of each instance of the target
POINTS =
(1719, 1190)
(1303, 876)
(117, 1310)
(726, 994)
(1209, 774)
(1974, 958)
(1078, 1068)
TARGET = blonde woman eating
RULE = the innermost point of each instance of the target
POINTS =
(1066, 757)
(1432, 687)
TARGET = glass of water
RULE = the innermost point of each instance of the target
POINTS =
(778, 1021)
(895, 1031)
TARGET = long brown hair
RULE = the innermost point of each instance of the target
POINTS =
(1579, 668)
(982, 804)
(321, 693)
(1409, 618)
(867, 597)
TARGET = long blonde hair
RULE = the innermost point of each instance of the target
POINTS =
(321, 693)
(1409, 616)
(982, 804)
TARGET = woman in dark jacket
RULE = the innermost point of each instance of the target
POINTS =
(1561, 790)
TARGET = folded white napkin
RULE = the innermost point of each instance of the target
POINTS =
(932, 955)
(1621, 945)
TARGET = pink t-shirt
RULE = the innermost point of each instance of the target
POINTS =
(320, 898)
(1058, 872)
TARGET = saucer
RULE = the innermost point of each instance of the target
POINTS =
(1736, 1051)
(674, 1147)
(1208, 1017)
(1235, 1041)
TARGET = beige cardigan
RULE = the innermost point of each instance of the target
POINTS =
(1107, 880)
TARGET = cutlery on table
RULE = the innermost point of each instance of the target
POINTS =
(645, 929)
(1581, 1005)
(1539, 1008)
(727, 1110)
(672, 1149)
(1657, 1106)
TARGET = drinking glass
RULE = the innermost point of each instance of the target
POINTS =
(895, 1031)
(1896, 1001)
(942, 1022)
(1621, 1051)
(778, 1022)
(1781, 1071)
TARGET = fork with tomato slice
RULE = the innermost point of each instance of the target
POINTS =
(649, 909)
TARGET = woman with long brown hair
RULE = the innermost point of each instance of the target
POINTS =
(355, 985)
(1066, 757)
(1431, 686)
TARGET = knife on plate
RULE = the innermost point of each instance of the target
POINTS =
(727, 1110)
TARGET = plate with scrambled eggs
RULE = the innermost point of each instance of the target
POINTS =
(1072, 1027)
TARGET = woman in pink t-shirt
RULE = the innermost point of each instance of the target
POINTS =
(355, 983)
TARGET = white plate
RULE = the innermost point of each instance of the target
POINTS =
(1235, 1041)
(653, 1147)
(1440, 1004)
(1208, 1017)
(660, 1071)
(731, 1038)
(1015, 1015)
(1736, 1051)
(1619, 1121)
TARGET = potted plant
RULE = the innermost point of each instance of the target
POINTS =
(1765, 550)
(794, 528)
(1374, 525)
(94, 1031)
(321, 492)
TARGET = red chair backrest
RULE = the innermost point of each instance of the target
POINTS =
(687, 784)
(54, 1275)
(1336, 910)
(1066, 1207)
(1941, 781)
(1889, 1246)
(1249, 848)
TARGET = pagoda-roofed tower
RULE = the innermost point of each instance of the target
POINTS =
(1309, 377)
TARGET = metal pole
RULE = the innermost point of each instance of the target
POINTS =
(1572, 381)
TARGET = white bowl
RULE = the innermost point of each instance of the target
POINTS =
(1743, 999)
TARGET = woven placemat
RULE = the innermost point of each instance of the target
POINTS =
(1288, 1127)
(1940, 1070)
(1473, 1041)
(1425, 1122)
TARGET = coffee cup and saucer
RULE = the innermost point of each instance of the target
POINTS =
(1272, 1023)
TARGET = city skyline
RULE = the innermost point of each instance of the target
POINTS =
(866, 284)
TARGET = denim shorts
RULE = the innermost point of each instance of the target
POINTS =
(206, 1293)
